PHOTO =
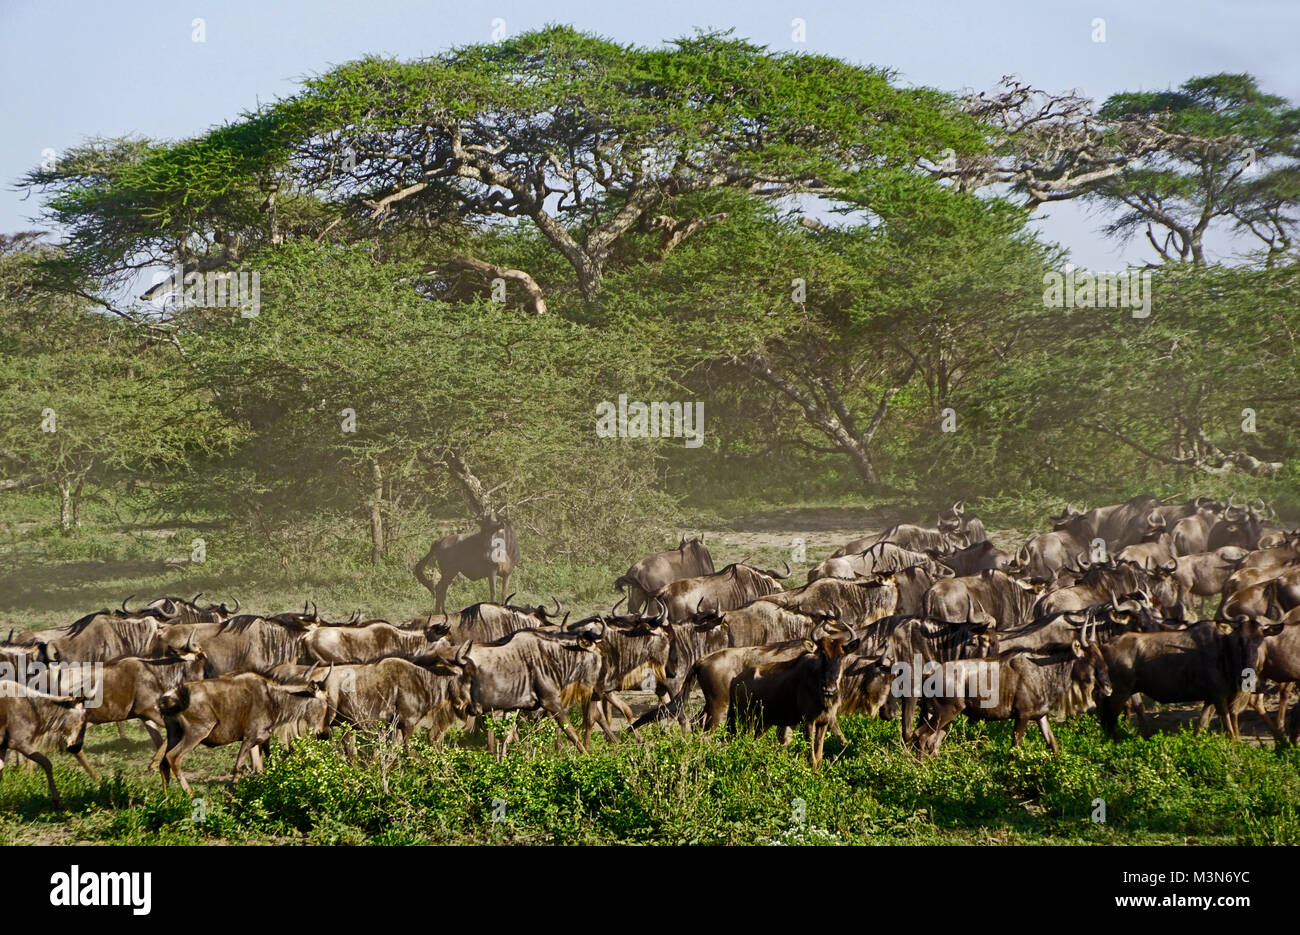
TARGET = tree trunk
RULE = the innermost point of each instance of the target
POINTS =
(76, 501)
(65, 504)
(376, 516)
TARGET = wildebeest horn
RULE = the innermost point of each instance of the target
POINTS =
(188, 640)
(1171, 567)
(613, 611)
(959, 507)
(124, 600)
(195, 599)
(315, 614)
(699, 605)
(558, 608)
(236, 610)
(11, 635)
(1082, 560)
(506, 602)
(356, 616)
(787, 570)
(663, 612)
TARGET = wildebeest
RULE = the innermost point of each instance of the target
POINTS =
(734, 586)
(486, 622)
(1203, 662)
(968, 530)
(908, 643)
(366, 644)
(180, 610)
(875, 559)
(490, 552)
(906, 536)
(981, 556)
(1204, 574)
(102, 637)
(248, 643)
(1045, 554)
(689, 560)
(1239, 525)
(27, 716)
(247, 707)
(853, 602)
(785, 693)
(1119, 525)
(1155, 548)
(130, 688)
(1271, 597)
(1025, 686)
(534, 668)
(429, 694)
(994, 594)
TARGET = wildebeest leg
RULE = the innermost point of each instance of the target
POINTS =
(257, 758)
(835, 729)
(1283, 699)
(555, 708)
(350, 744)
(1225, 715)
(1139, 713)
(121, 731)
(909, 717)
(85, 763)
(819, 741)
(492, 585)
(249, 746)
(1022, 724)
(783, 734)
(440, 593)
(625, 710)
(41, 760)
(596, 708)
(1046, 728)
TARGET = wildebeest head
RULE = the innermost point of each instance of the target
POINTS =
(1090, 675)
(830, 651)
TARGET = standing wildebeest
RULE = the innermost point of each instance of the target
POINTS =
(430, 693)
(973, 559)
(874, 559)
(101, 637)
(689, 560)
(907, 536)
(1026, 687)
(909, 643)
(736, 585)
(1119, 525)
(954, 523)
(247, 707)
(1204, 574)
(255, 644)
(1009, 601)
(1239, 525)
(1155, 548)
(27, 715)
(367, 644)
(854, 602)
(490, 552)
(535, 668)
(786, 693)
(486, 622)
(1045, 554)
(130, 688)
(1204, 662)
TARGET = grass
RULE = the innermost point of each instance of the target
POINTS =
(685, 789)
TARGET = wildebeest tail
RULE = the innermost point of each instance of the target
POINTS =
(174, 701)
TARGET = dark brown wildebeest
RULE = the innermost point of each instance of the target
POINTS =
(787, 693)
(1280, 663)
(1204, 662)
(1119, 525)
(1016, 684)
(873, 560)
(247, 707)
(689, 560)
(129, 688)
(430, 693)
(490, 552)
(989, 594)
(982, 556)
(968, 530)
(367, 644)
(535, 668)
(635, 650)
(27, 716)
(1101, 580)
(1239, 525)
(102, 637)
(736, 585)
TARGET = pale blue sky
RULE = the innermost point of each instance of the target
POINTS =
(72, 70)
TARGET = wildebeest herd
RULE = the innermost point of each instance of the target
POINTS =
(928, 621)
